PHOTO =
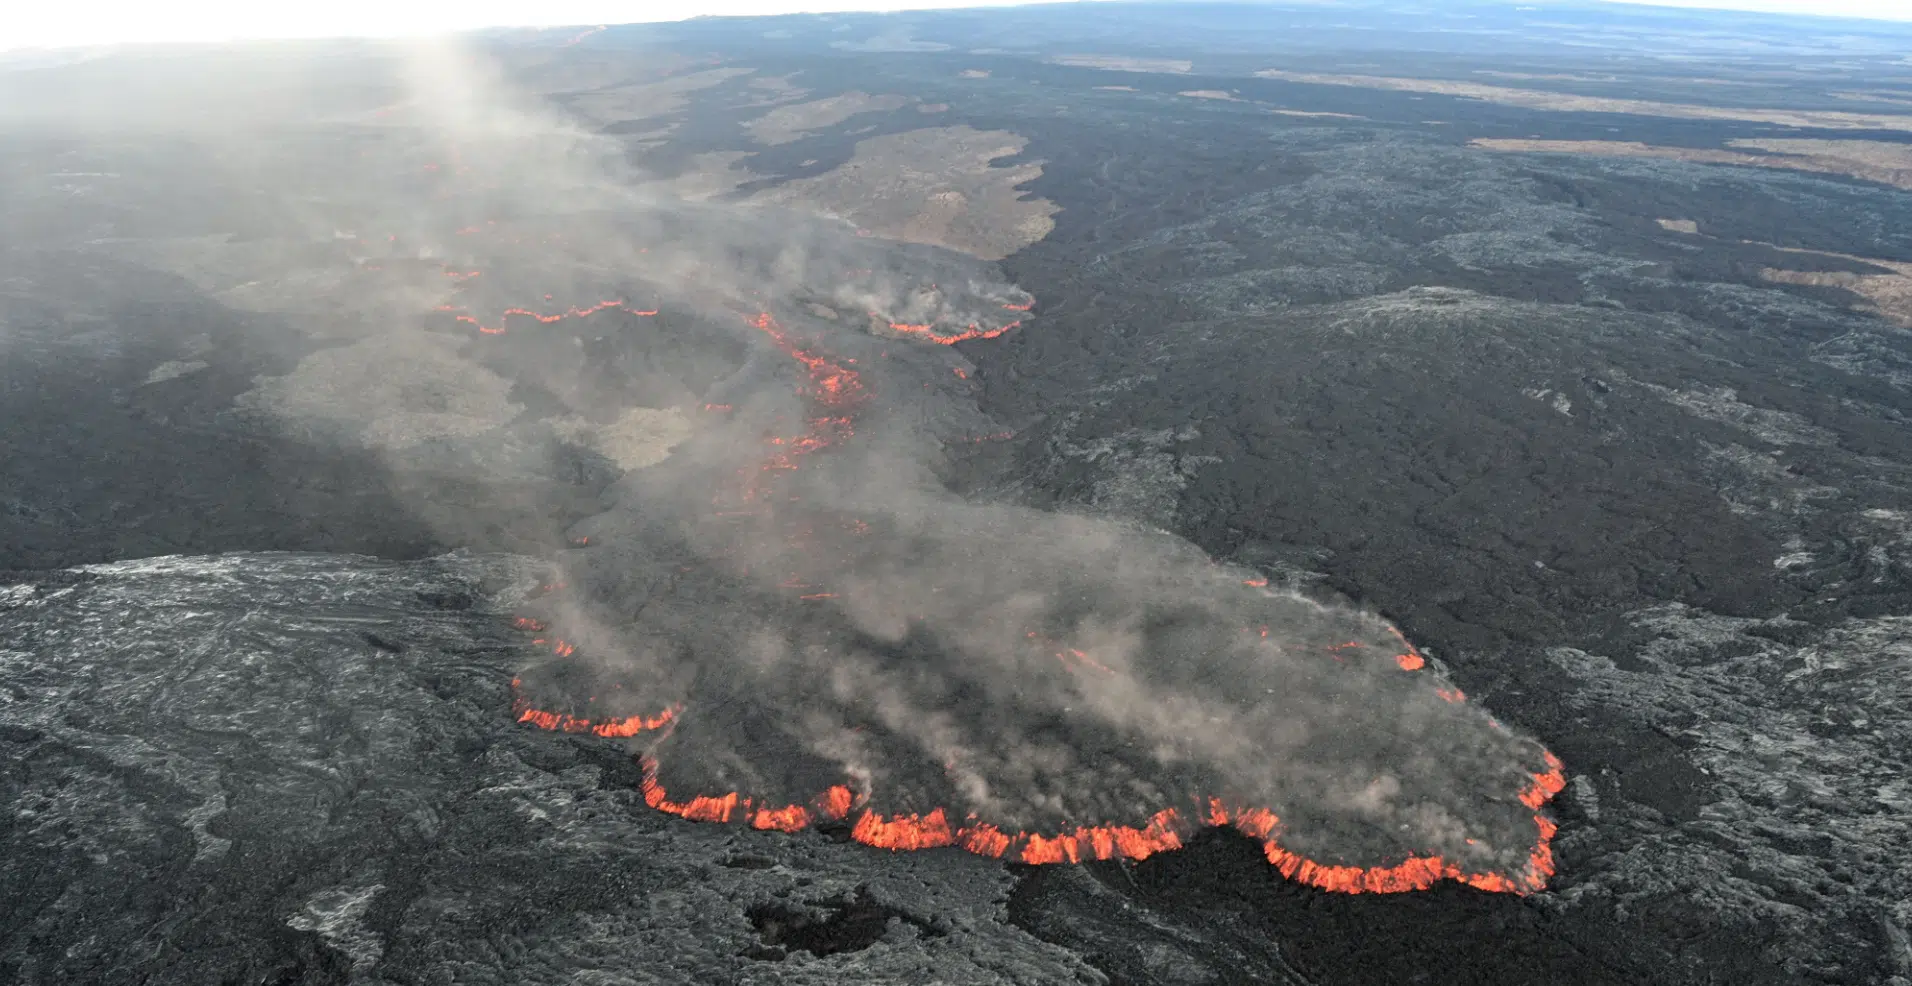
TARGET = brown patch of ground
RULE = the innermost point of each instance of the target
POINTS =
(1573, 77)
(974, 73)
(1123, 63)
(1209, 94)
(1873, 160)
(935, 186)
(644, 100)
(787, 123)
(1552, 76)
(1569, 102)
(1870, 160)
(1888, 293)
(1876, 96)
(1119, 88)
(932, 107)
(1340, 116)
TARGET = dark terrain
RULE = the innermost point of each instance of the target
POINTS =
(1633, 494)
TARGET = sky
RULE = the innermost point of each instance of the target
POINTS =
(64, 23)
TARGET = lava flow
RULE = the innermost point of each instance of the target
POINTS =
(833, 393)
(509, 313)
(1166, 830)
(928, 331)
(834, 803)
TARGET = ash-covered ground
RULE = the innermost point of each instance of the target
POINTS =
(894, 341)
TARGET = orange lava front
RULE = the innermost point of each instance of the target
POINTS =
(835, 392)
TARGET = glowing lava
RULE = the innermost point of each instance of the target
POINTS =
(833, 803)
(833, 393)
(509, 313)
(557, 722)
(1168, 829)
(927, 331)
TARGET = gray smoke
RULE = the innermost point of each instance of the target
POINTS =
(794, 573)
(849, 619)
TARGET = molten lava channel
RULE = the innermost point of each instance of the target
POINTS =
(833, 393)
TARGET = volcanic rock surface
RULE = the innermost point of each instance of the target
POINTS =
(294, 768)
(786, 518)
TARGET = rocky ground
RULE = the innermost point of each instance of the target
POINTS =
(295, 768)
(1618, 438)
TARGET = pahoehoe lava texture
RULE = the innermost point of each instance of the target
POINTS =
(295, 768)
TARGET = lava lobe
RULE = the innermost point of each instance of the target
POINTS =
(795, 624)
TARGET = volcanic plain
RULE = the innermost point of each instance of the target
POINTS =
(378, 450)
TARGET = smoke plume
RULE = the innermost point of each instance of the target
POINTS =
(788, 615)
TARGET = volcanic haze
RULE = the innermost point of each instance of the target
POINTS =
(795, 621)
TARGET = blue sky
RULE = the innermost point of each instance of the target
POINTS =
(49, 23)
